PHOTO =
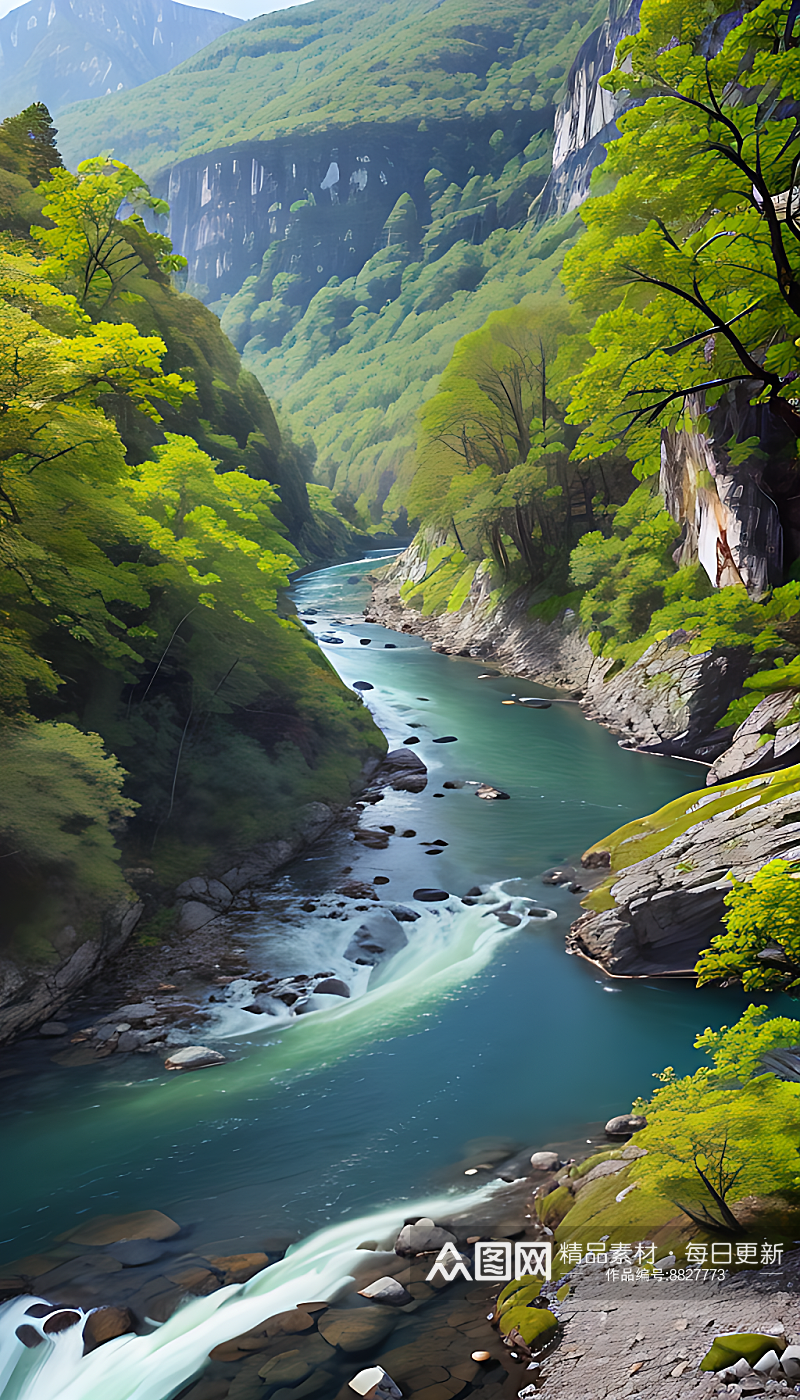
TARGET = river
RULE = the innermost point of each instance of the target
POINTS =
(475, 1032)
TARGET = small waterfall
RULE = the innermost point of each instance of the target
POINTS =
(155, 1367)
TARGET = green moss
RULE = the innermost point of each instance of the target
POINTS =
(536, 1326)
(647, 835)
(520, 1297)
(553, 1207)
(731, 1347)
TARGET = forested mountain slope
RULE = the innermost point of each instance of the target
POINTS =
(366, 202)
(62, 51)
(156, 702)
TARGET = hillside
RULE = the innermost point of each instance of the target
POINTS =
(63, 51)
(349, 64)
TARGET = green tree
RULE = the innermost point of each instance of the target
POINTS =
(493, 461)
(728, 1131)
(89, 252)
(28, 144)
(761, 944)
(692, 256)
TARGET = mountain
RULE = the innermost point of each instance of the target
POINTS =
(62, 51)
(351, 183)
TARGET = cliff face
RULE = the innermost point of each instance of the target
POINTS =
(313, 205)
(586, 119)
(62, 51)
(740, 518)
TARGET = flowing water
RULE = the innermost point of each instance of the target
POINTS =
(474, 1031)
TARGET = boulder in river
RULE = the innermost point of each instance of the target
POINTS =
(387, 1290)
(194, 1057)
(424, 1237)
(333, 987)
(426, 896)
(405, 916)
(446, 739)
(624, 1124)
(379, 937)
(53, 1029)
(353, 1330)
(491, 794)
(545, 1161)
(402, 770)
(104, 1324)
(376, 840)
(362, 685)
(111, 1229)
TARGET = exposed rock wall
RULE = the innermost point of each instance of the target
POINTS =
(669, 701)
(669, 906)
(586, 119)
(229, 207)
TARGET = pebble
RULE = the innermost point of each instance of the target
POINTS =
(427, 896)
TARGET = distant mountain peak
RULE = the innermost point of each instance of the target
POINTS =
(63, 51)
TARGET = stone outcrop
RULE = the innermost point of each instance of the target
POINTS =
(586, 119)
(762, 742)
(669, 906)
(29, 995)
(668, 701)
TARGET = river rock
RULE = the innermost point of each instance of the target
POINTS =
(545, 1161)
(379, 937)
(362, 685)
(446, 739)
(132, 1253)
(597, 859)
(193, 1057)
(333, 987)
(194, 915)
(287, 1368)
(625, 1124)
(137, 1013)
(103, 1324)
(53, 1028)
(387, 1290)
(430, 896)
(375, 1384)
(422, 1238)
(491, 794)
(760, 744)
(368, 836)
(402, 770)
(405, 916)
(111, 1229)
(356, 1329)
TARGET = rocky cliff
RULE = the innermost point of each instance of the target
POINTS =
(586, 118)
(657, 914)
(669, 701)
(62, 51)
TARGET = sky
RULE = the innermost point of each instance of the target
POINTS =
(243, 9)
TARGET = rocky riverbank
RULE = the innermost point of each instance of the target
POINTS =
(590, 1335)
(667, 702)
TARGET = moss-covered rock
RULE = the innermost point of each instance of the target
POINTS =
(536, 1326)
(731, 1347)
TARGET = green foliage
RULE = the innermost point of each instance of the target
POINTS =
(731, 1347)
(89, 253)
(711, 1141)
(763, 914)
(536, 1326)
(61, 804)
(345, 64)
(139, 589)
(28, 144)
(685, 259)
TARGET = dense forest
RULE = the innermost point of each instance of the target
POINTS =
(156, 699)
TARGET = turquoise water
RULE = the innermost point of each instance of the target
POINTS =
(474, 1031)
